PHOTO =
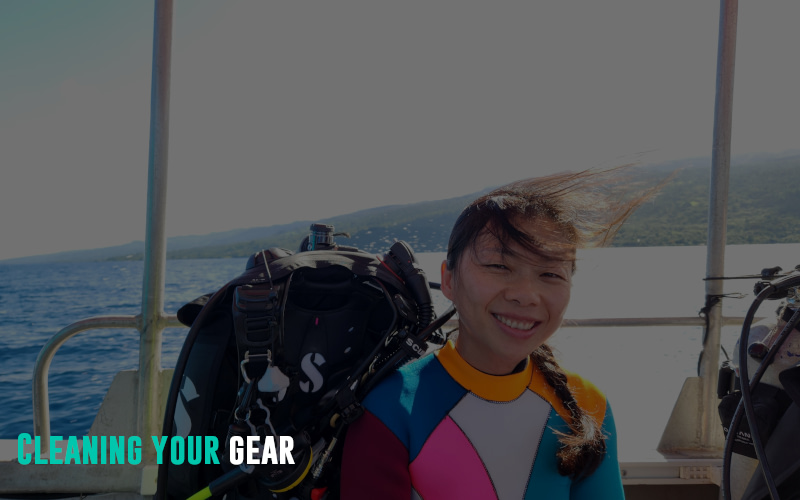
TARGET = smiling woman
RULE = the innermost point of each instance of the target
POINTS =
(494, 406)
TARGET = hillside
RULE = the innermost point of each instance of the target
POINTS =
(759, 211)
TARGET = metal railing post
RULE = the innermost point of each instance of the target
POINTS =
(153, 317)
(694, 428)
(710, 430)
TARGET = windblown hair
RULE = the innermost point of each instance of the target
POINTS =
(588, 209)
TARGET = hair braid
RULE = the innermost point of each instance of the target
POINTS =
(581, 451)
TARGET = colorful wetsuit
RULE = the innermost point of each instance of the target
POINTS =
(439, 429)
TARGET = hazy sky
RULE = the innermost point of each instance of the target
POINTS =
(296, 110)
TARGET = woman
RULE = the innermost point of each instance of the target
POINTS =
(492, 415)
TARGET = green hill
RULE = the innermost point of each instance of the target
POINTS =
(760, 207)
(759, 212)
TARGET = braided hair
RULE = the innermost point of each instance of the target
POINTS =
(583, 450)
(588, 208)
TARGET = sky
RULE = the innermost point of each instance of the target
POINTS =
(285, 111)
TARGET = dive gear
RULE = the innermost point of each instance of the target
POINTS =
(290, 348)
(767, 405)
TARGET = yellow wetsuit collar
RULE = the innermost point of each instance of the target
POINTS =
(484, 385)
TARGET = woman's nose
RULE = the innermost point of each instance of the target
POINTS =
(524, 292)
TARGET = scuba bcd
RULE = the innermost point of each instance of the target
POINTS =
(760, 413)
(289, 349)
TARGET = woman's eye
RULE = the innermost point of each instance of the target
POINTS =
(496, 266)
(553, 275)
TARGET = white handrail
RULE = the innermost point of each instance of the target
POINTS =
(41, 369)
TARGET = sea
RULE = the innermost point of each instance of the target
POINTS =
(641, 370)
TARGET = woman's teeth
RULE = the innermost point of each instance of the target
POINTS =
(519, 325)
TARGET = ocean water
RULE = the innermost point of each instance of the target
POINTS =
(640, 369)
(37, 301)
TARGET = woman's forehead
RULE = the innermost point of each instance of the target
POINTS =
(546, 242)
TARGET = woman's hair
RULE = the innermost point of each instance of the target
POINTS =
(588, 209)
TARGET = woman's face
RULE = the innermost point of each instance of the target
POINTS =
(509, 302)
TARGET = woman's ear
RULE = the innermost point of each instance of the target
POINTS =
(447, 281)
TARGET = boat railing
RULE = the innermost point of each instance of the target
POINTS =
(41, 398)
(41, 370)
(662, 321)
(152, 320)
